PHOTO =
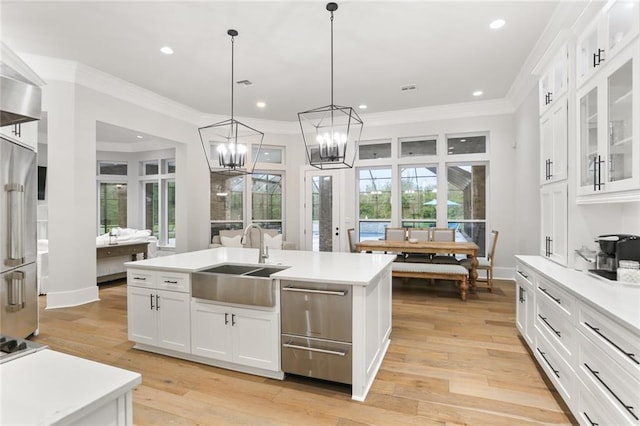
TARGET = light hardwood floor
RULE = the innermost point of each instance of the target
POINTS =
(449, 363)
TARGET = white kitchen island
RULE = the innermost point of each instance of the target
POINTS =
(165, 318)
(49, 387)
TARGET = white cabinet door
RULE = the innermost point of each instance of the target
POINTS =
(553, 133)
(525, 304)
(24, 133)
(608, 129)
(554, 82)
(141, 315)
(211, 334)
(256, 339)
(172, 309)
(553, 203)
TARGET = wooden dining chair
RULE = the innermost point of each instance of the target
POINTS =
(443, 234)
(422, 235)
(351, 235)
(485, 263)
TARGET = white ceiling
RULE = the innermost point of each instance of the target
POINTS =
(446, 48)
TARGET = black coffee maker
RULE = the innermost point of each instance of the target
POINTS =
(613, 249)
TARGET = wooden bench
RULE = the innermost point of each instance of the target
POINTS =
(433, 271)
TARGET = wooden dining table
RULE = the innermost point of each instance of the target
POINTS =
(470, 249)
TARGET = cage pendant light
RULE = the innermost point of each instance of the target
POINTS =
(228, 143)
(331, 133)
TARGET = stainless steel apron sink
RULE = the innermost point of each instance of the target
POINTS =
(239, 284)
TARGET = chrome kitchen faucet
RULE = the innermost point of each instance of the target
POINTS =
(263, 252)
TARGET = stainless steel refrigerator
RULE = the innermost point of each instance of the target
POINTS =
(18, 203)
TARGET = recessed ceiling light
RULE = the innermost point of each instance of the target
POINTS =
(261, 104)
(166, 50)
(498, 23)
(362, 106)
(139, 136)
(477, 93)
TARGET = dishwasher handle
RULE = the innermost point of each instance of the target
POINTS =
(314, 291)
(310, 349)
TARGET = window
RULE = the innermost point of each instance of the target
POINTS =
(419, 197)
(374, 150)
(374, 197)
(159, 195)
(227, 202)
(266, 200)
(410, 147)
(112, 199)
(112, 195)
(471, 144)
(467, 202)
(271, 155)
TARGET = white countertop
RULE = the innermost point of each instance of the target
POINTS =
(621, 300)
(48, 387)
(330, 267)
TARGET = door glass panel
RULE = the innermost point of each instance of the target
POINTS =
(419, 196)
(588, 47)
(588, 136)
(620, 137)
(322, 213)
(151, 198)
(467, 202)
(113, 206)
(374, 202)
(620, 20)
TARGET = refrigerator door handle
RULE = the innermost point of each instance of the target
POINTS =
(15, 291)
(16, 224)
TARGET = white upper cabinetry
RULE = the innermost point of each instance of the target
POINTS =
(554, 80)
(613, 29)
(608, 130)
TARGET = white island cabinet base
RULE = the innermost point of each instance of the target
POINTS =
(368, 274)
(48, 387)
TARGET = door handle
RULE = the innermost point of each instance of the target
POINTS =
(157, 302)
(16, 224)
(306, 348)
(15, 291)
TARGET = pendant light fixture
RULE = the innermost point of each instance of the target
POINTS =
(226, 144)
(331, 133)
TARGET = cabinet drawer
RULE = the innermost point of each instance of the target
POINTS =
(317, 358)
(592, 410)
(552, 292)
(140, 278)
(608, 381)
(524, 274)
(616, 341)
(557, 326)
(558, 371)
(174, 281)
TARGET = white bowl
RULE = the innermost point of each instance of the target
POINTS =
(413, 240)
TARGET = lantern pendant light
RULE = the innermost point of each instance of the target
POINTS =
(331, 133)
(226, 144)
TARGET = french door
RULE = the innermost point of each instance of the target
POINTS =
(322, 210)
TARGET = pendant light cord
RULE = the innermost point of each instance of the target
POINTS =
(232, 42)
(331, 57)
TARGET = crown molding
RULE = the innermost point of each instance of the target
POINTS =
(16, 63)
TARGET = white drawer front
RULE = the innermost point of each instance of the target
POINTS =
(594, 410)
(608, 380)
(524, 273)
(557, 326)
(174, 281)
(558, 371)
(141, 278)
(557, 295)
(616, 341)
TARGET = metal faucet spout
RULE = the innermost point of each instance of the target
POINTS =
(262, 255)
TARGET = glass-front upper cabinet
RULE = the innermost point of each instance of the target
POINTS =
(554, 81)
(609, 33)
(609, 129)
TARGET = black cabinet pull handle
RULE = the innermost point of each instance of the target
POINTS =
(596, 374)
(233, 319)
(151, 298)
(523, 274)
(555, 299)
(629, 355)
(170, 282)
(591, 422)
(226, 318)
(140, 278)
(556, 372)
(598, 57)
(157, 302)
(549, 325)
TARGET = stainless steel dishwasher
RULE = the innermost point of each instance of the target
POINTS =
(316, 330)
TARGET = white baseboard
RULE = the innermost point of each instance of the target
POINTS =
(65, 299)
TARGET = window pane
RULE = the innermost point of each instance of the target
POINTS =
(419, 197)
(171, 213)
(413, 147)
(466, 202)
(372, 229)
(112, 168)
(466, 145)
(113, 206)
(150, 168)
(227, 198)
(375, 193)
(266, 200)
(151, 208)
(169, 166)
(471, 231)
(374, 150)
(267, 155)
